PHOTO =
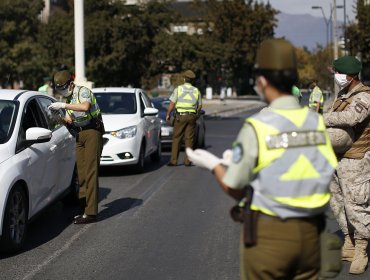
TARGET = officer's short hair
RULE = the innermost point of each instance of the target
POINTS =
(282, 80)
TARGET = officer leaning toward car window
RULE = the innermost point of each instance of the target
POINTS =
(281, 166)
(83, 114)
(187, 101)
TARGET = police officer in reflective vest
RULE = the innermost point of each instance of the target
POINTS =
(83, 115)
(284, 156)
(187, 101)
(316, 99)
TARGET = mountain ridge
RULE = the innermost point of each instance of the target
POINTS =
(304, 30)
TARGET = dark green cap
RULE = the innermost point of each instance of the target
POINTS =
(61, 78)
(347, 65)
(276, 54)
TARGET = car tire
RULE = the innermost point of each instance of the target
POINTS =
(139, 167)
(200, 138)
(15, 221)
(71, 197)
(156, 156)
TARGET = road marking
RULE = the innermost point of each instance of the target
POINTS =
(57, 253)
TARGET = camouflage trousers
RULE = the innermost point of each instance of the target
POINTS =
(350, 200)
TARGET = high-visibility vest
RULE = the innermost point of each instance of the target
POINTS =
(295, 163)
(82, 119)
(187, 98)
(313, 97)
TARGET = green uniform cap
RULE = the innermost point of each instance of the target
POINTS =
(189, 74)
(276, 54)
(347, 65)
(61, 78)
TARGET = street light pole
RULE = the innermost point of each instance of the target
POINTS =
(79, 40)
(326, 22)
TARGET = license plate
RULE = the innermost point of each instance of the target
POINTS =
(165, 133)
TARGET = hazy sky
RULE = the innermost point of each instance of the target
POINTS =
(304, 7)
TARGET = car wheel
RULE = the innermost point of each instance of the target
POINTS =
(73, 190)
(140, 164)
(15, 221)
(199, 138)
(156, 156)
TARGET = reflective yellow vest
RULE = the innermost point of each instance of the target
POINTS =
(295, 163)
(316, 92)
(187, 98)
(82, 119)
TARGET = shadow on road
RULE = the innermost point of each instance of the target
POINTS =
(127, 170)
(50, 223)
(118, 206)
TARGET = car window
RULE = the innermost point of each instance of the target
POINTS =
(7, 119)
(52, 117)
(31, 117)
(116, 102)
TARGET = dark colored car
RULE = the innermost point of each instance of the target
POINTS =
(162, 103)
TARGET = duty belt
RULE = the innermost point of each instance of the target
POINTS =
(186, 113)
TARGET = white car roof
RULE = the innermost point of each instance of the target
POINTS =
(15, 94)
(116, 89)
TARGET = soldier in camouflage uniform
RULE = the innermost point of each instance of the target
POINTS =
(350, 186)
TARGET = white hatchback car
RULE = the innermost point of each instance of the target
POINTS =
(37, 160)
(133, 130)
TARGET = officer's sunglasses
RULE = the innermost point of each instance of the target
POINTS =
(64, 86)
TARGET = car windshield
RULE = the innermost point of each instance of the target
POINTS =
(116, 102)
(7, 118)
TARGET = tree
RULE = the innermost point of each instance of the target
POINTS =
(21, 56)
(240, 26)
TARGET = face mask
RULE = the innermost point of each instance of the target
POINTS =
(65, 92)
(341, 80)
(259, 93)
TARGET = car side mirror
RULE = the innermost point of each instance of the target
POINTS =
(150, 111)
(38, 135)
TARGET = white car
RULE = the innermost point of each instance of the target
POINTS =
(133, 130)
(37, 162)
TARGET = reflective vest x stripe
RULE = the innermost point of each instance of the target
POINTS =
(295, 163)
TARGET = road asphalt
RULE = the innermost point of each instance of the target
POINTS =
(227, 107)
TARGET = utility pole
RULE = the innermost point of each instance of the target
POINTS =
(334, 25)
(345, 27)
(79, 41)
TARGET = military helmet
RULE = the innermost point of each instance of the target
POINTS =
(189, 74)
(276, 54)
(62, 79)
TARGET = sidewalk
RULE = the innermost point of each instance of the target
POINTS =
(229, 107)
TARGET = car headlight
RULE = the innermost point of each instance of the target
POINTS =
(127, 132)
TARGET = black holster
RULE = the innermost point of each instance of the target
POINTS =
(242, 213)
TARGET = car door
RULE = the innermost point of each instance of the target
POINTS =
(64, 144)
(151, 124)
(40, 159)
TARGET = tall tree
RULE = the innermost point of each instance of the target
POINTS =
(21, 57)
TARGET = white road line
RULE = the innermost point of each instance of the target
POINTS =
(57, 253)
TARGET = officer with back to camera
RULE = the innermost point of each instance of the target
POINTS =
(84, 114)
(187, 101)
(283, 156)
(350, 186)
